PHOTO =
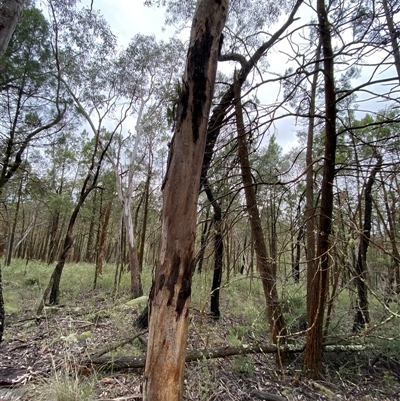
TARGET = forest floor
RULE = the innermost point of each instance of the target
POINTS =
(41, 359)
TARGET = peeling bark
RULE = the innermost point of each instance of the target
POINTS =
(170, 293)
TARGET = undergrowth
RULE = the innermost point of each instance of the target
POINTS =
(85, 312)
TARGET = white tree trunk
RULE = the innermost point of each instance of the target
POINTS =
(125, 200)
(136, 285)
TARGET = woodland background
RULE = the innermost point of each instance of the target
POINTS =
(86, 128)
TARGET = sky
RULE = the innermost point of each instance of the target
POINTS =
(129, 17)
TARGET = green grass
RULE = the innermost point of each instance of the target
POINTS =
(243, 319)
(24, 284)
(241, 297)
(67, 386)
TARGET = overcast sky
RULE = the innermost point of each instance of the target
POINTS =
(129, 17)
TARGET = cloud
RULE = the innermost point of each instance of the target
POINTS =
(127, 18)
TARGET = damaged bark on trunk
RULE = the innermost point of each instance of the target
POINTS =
(170, 293)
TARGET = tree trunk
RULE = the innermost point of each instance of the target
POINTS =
(361, 318)
(136, 284)
(54, 284)
(78, 248)
(10, 13)
(170, 293)
(125, 199)
(10, 246)
(102, 243)
(120, 257)
(273, 239)
(114, 363)
(145, 215)
(218, 252)
(310, 205)
(393, 36)
(218, 267)
(391, 230)
(53, 242)
(317, 284)
(264, 264)
(53, 288)
(89, 254)
(296, 252)
(205, 232)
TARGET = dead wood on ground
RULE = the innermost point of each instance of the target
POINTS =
(108, 363)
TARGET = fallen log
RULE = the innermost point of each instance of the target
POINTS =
(262, 395)
(129, 362)
(114, 363)
(121, 343)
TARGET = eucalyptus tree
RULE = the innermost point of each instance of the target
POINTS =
(362, 317)
(170, 294)
(302, 92)
(318, 280)
(244, 35)
(246, 44)
(151, 68)
(370, 146)
(355, 37)
(33, 103)
(266, 263)
(88, 70)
